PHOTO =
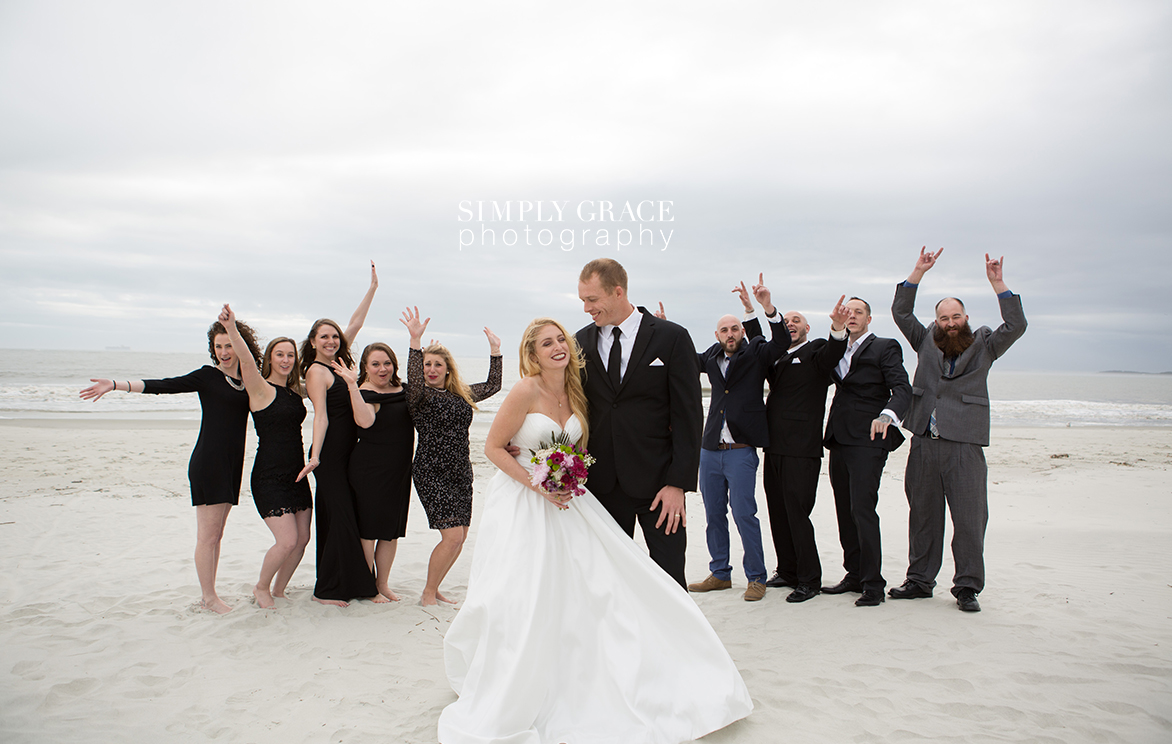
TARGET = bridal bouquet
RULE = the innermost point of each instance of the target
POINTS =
(560, 465)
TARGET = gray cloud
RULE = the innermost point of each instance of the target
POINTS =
(156, 161)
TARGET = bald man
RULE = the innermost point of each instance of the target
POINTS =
(796, 409)
(736, 367)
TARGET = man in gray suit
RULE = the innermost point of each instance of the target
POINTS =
(949, 421)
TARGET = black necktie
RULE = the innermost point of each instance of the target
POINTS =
(614, 365)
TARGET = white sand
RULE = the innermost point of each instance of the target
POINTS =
(101, 639)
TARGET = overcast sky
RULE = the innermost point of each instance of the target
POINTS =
(159, 159)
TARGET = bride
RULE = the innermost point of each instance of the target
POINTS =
(569, 632)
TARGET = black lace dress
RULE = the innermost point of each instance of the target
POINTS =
(342, 571)
(217, 463)
(442, 468)
(380, 468)
(279, 457)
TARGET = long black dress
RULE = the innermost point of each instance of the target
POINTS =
(380, 468)
(279, 458)
(342, 571)
(443, 469)
(217, 462)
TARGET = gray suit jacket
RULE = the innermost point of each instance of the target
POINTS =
(960, 397)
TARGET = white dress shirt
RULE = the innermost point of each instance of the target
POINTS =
(630, 329)
(844, 368)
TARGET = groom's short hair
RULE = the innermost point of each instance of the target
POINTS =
(609, 272)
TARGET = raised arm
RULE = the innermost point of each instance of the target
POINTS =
(828, 357)
(359, 316)
(103, 385)
(904, 305)
(364, 412)
(1013, 321)
(260, 393)
(492, 385)
(779, 333)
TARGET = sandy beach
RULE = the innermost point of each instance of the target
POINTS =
(102, 640)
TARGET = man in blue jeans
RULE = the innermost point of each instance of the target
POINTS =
(736, 367)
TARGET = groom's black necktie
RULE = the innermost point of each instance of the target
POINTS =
(614, 366)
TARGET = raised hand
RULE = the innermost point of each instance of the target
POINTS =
(744, 295)
(660, 312)
(994, 269)
(349, 374)
(373, 277)
(925, 261)
(227, 317)
(839, 315)
(763, 295)
(494, 342)
(415, 327)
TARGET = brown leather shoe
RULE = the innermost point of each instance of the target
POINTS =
(755, 592)
(711, 584)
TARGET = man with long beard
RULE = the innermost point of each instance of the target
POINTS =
(949, 421)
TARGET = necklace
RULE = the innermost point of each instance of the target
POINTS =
(235, 385)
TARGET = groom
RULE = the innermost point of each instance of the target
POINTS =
(643, 385)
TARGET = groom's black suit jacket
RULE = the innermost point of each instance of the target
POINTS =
(646, 434)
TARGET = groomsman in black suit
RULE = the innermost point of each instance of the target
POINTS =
(643, 385)
(796, 409)
(872, 394)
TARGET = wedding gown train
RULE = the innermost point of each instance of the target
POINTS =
(570, 633)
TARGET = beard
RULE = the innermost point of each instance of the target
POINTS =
(953, 346)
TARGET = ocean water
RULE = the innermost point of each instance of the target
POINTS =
(45, 384)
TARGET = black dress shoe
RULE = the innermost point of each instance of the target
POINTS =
(803, 592)
(870, 598)
(909, 590)
(966, 600)
(776, 580)
(846, 585)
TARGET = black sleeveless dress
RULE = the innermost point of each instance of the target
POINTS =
(279, 458)
(217, 463)
(342, 572)
(380, 468)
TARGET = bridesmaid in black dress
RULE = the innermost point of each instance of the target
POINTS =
(284, 503)
(218, 459)
(380, 466)
(342, 571)
(441, 407)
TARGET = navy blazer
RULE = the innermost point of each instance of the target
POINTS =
(875, 381)
(740, 399)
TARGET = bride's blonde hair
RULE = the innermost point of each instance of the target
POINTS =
(529, 367)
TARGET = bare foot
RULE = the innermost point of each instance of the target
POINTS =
(263, 597)
(386, 595)
(429, 599)
(216, 605)
(331, 602)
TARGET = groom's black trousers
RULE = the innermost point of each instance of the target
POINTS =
(666, 550)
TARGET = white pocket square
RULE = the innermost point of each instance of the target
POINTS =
(657, 362)
(795, 360)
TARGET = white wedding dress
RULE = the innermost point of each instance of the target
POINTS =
(570, 633)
